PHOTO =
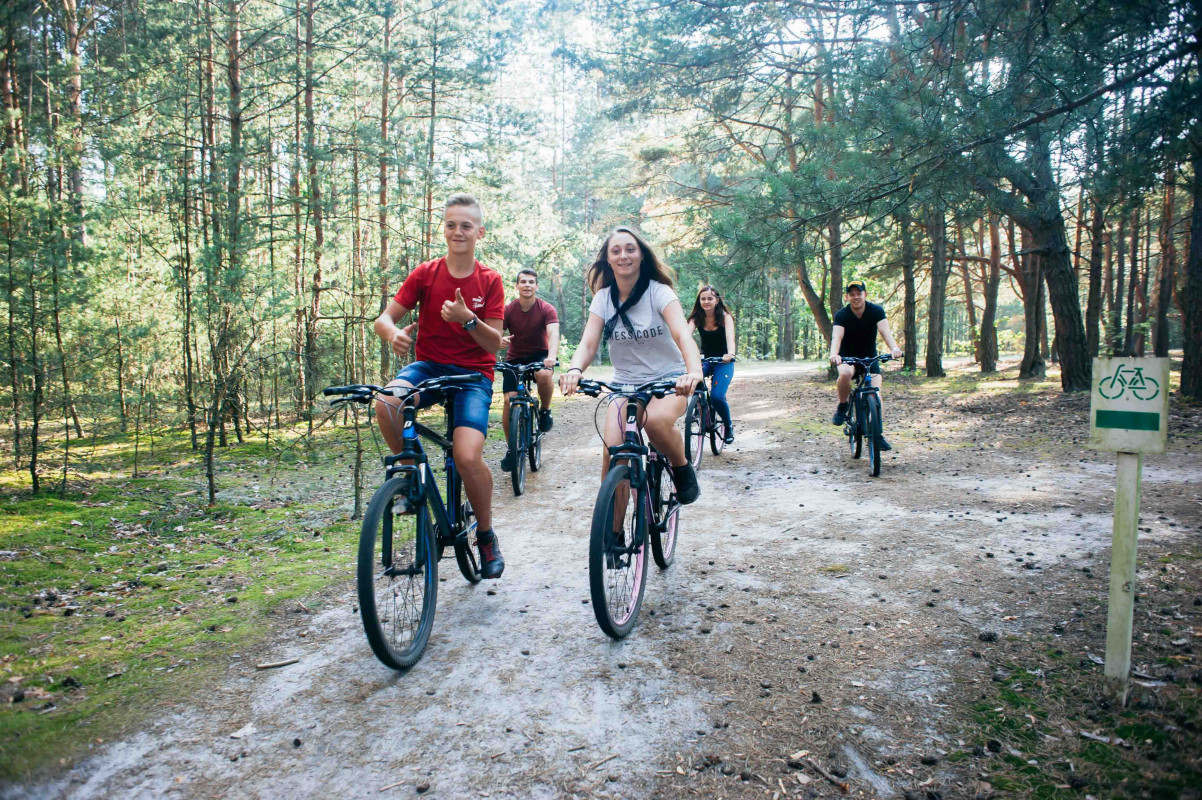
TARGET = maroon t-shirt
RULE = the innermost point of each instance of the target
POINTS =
(529, 328)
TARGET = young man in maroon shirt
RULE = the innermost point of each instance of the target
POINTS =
(533, 326)
(460, 304)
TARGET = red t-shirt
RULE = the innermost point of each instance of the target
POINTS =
(442, 342)
(529, 328)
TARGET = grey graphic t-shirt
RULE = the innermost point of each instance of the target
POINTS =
(649, 353)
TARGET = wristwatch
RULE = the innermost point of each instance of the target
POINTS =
(471, 324)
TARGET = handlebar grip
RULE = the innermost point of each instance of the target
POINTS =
(332, 390)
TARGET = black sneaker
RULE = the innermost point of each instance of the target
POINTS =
(883, 445)
(687, 490)
(492, 564)
(507, 462)
(840, 414)
(729, 438)
(545, 422)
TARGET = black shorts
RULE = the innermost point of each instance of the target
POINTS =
(875, 369)
(508, 382)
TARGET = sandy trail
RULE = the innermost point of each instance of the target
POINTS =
(793, 558)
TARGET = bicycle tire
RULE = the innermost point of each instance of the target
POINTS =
(534, 453)
(408, 601)
(517, 473)
(694, 432)
(872, 424)
(617, 581)
(663, 535)
(855, 437)
(718, 438)
(465, 543)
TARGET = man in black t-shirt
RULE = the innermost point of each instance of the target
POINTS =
(854, 334)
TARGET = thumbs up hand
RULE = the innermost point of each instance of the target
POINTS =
(402, 339)
(456, 311)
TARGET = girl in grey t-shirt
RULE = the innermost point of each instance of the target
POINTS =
(636, 312)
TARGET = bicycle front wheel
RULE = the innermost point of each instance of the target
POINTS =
(666, 516)
(517, 427)
(397, 576)
(694, 432)
(872, 429)
(617, 555)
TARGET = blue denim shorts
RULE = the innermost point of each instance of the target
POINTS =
(471, 401)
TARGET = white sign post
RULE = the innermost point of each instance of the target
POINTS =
(1129, 414)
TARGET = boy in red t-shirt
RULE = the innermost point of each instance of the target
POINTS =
(533, 326)
(460, 305)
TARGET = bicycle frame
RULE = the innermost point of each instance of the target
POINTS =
(425, 488)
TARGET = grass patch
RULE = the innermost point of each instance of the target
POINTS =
(123, 590)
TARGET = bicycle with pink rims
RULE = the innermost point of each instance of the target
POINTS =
(636, 507)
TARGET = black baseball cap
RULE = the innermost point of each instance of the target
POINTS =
(856, 285)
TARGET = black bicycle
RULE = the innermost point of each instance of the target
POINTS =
(408, 527)
(525, 436)
(636, 505)
(701, 421)
(864, 411)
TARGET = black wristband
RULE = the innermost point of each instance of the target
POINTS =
(578, 369)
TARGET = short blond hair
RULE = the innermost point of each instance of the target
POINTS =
(464, 199)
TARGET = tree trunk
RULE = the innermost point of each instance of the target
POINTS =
(383, 203)
(1191, 298)
(39, 381)
(1168, 265)
(1117, 300)
(835, 230)
(989, 349)
(910, 326)
(75, 29)
(14, 372)
(1093, 308)
(812, 297)
(314, 309)
(1033, 365)
(1132, 286)
(937, 231)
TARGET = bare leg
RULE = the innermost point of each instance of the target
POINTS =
(505, 414)
(390, 418)
(660, 426)
(546, 387)
(843, 385)
(477, 478)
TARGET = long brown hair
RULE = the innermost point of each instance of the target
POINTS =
(697, 315)
(601, 274)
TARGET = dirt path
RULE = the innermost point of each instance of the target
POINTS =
(811, 608)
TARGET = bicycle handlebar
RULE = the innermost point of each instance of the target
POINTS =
(363, 392)
(866, 362)
(521, 369)
(717, 360)
(655, 388)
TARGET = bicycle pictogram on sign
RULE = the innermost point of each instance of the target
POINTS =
(1129, 379)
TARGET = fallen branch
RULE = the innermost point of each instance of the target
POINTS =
(843, 787)
(603, 761)
(275, 664)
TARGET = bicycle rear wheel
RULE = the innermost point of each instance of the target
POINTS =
(718, 438)
(855, 438)
(535, 451)
(397, 576)
(694, 431)
(872, 428)
(617, 568)
(517, 426)
(666, 511)
(465, 542)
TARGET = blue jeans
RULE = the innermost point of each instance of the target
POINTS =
(723, 375)
(471, 401)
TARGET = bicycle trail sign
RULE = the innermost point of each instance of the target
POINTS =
(1128, 414)
(1129, 408)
